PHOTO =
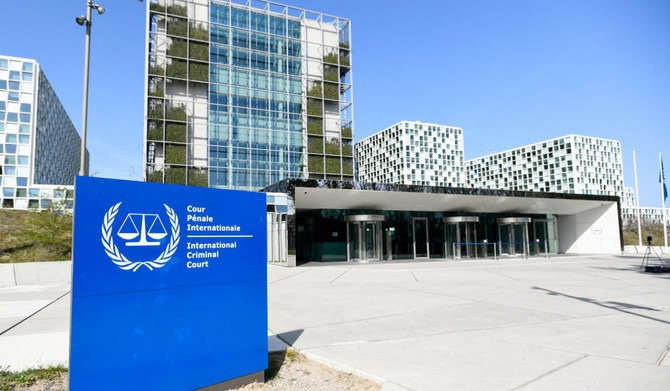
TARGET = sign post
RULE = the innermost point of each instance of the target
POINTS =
(169, 286)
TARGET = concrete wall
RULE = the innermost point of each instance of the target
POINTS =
(31, 273)
(593, 232)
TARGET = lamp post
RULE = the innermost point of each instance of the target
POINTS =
(86, 20)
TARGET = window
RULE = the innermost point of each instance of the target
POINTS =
(14, 96)
(27, 66)
(14, 85)
(3, 63)
(3, 84)
(14, 75)
(27, 76)
(25, 107)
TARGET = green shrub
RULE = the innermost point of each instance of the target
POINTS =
(346, 131)
(346, 150)
(347, 167)
(175, 175)
(177, 48)
(156, 112)
(330, 58)
(157, 70)
(157, 7)
(198, 32)
(344, 61)
(155, 130)
(199, 51)
(177, 112)
(333, 148)
(177, 27)
(157, 92)
(177, 69)
(198, 71)
(315, 145)
(344, 45)
(315, 91)
(177, 10)
(314, 108)
(314, 126)
(155, 176)
(175, 154)
(175, 133)
(331, 75)
(330, 91)
(315, 163)
(332, 165)
(198, 177)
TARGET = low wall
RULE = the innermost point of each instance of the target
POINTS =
(32, 273)
(641, 250)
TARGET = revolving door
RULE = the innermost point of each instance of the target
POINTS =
(513, 235)
(460, 236)
(364, 237)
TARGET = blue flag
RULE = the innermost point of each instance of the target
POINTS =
(661, 179)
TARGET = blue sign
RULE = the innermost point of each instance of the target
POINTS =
(169, 286)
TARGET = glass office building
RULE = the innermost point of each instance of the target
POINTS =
(39, 145)
(244, 94)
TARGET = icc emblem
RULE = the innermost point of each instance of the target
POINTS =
(147, 228)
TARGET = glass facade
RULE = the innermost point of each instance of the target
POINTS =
(240, 96)
(321, 235)
(39, 145)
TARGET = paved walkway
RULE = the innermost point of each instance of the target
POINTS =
(560, 323)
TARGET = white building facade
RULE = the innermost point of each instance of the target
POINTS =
(412, 153)
(244, 94)
(569, 164)
(39, 145)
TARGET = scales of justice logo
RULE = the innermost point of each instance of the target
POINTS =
(140, 230)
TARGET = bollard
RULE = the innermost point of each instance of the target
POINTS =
(485, 252)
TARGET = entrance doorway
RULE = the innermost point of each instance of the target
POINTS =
(544, 234)
(513, 235)
(461, 236)
(364, 237)
(420, 237)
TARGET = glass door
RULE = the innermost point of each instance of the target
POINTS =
(364, 238)
(420, 235)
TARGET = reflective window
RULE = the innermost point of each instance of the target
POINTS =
(24, 139)
(3, 63)
(22, 182)
(277, 25)
(3, 84)
(25, 118)
(24, 129)
(14, 75)
(2, 106)
(28, 66)
(27, 76)
(25, 107)
(22, 160)
(10, 148)
(259, 22)
(14, 85)
(12, 117)
(239, 18)
(13, 96)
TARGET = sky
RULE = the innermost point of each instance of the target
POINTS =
(509, 73)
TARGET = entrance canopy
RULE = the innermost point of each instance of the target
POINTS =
(416, 198)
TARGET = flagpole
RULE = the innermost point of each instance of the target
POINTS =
(665, 223)
(637, 196)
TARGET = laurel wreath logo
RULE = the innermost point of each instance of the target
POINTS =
(124, 263)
